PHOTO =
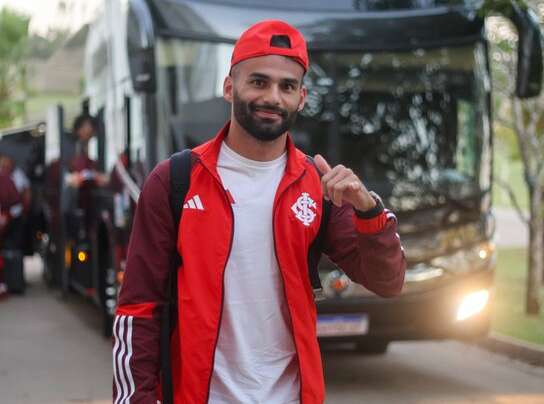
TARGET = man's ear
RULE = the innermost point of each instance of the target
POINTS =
(303, 94)
(228, 86)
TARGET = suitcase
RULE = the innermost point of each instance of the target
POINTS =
(14, 276)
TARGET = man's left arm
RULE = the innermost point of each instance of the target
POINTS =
(367, 250)
(361, 236)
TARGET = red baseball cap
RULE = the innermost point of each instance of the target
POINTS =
(271, 37)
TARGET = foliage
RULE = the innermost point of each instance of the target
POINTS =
(525, 118)
(506, 138)
(13, 46)
(504, 42)
(509, 172)
(501, 7)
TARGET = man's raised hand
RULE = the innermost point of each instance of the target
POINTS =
(340, 184)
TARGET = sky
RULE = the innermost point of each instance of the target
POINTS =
(47, 13)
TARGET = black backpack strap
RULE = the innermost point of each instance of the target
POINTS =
(180, 178)
(314, 252)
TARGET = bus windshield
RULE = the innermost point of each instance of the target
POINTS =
(414, 125)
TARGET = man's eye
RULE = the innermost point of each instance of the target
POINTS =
(289, 87)
(258, 82)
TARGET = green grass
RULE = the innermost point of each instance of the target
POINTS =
(508, 314)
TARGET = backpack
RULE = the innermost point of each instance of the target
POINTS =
(180, 181)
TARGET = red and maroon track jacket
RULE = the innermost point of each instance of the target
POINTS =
(368, 250)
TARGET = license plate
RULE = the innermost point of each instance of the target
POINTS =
(341, 325)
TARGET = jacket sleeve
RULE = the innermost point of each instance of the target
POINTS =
(368, 250)
(137, 322)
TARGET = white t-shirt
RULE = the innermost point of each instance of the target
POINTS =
(255, 359)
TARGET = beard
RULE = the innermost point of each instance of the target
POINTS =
(262, 129)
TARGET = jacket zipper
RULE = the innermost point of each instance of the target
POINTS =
(283, 283)
(223, 287)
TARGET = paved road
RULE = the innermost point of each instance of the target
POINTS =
(432, 373)
(51, 352)
(510, 230)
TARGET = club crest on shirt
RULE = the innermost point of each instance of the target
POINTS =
(304, 209)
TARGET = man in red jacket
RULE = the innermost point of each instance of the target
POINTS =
(246, 318)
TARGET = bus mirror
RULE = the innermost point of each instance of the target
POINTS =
(140, 45)
(142, 70)
(529, 69)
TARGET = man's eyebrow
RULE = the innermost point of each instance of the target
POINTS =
(259, 76)
(263, 76)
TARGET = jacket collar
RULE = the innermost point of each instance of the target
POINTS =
(209, 153)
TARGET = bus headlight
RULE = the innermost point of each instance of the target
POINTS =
(472, 304)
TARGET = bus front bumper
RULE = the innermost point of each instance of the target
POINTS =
(431, 314)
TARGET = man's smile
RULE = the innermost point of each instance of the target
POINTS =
(268, 113)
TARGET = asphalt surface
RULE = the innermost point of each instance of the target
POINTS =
(51, 349)
(51, 352)
(511, 231)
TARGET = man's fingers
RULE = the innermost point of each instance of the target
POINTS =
(340, 187)
(330, 178)
(322, 164)
(334, 176)
(337, 180)
(332, 173)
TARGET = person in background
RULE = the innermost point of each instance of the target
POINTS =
(11, 216)
(19, 178)
(84, 175)
(83, 169)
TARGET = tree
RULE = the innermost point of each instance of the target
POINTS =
(43, 47)
(526, 119)
(13, 40)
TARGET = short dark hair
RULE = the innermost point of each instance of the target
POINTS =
(80, 120)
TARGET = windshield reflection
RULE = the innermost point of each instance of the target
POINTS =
(413, 124)
(410, 123)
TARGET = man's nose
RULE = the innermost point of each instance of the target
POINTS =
(272, 96)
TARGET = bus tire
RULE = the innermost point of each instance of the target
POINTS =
(107, 324)
(65, 286)
(107, 292)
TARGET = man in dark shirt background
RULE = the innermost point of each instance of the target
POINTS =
(84, 176)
